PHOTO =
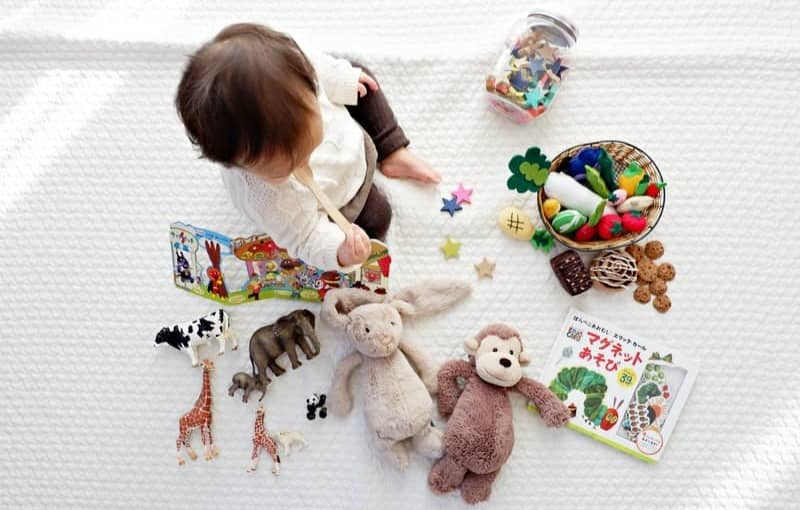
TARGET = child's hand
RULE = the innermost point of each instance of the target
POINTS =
(355, 249)
(365, 81)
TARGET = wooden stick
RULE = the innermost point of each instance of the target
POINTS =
(304, 175)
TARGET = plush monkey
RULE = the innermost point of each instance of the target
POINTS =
(480, 432)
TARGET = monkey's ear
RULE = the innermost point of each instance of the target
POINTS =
(524, 359)
(471, 346)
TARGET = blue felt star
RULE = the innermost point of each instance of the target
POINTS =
(536, 65)
(450, 206)
(556, 68)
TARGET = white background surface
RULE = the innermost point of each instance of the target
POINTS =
(94, 166)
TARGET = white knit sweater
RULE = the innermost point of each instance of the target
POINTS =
(288, 212)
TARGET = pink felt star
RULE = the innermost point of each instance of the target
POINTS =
(462, 194)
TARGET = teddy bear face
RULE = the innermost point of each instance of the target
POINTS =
(375, 329)
(497, 360)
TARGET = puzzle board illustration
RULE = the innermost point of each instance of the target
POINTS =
(246, 269)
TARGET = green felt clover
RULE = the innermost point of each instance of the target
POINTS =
(543, 240)
(528, 172)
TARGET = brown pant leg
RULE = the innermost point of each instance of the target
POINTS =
(375, 115)
(376, 216)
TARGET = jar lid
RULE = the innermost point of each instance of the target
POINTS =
(569, 28)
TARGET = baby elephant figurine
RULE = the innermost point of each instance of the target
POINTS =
(402, 378)
(247, 383)
(289, 332)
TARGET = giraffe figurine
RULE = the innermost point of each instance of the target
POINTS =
(262, 440)
(198, 417)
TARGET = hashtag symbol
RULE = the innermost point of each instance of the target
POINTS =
(514, 223)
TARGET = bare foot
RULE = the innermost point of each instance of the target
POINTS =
(403, 164)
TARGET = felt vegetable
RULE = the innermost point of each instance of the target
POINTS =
(550, 208)
(641, 203)
(610, 226)
(596, 182)
(617, 197)
(633, 222)
(586, 233)
(606, 167)
(654, 188)
(568, 221)
(642, 186)
(630, 178)
(528, 172)
(572, 195)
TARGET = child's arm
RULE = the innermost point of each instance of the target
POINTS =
(292, 220)
(336, 76)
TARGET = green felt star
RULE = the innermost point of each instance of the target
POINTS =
(543, 240)
(528, 172)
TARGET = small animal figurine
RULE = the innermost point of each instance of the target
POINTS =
(248, 383)
(262, 441)
(293, 330)
(315, 402)
(480, 432)
(198, 417)
(289, 440)
(402, 378)
(191, 335)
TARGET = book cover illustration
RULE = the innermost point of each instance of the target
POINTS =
(621, 389)
(246, 269)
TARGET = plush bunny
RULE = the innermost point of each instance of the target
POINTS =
(402, 377)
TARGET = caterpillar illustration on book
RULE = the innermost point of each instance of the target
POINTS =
(246, 269)
(593, 387)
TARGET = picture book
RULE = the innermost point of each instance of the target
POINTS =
(246, 269)
(621, 389)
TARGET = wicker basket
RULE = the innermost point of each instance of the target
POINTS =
(622, 154)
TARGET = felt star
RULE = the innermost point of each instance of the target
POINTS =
(556, 68)
(533, 97)
(537, 66)
(450, 248)
(546, 51)
(462, 195)
(485, 268)
(450, 206)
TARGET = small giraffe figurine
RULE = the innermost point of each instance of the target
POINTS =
(262, 440)
(199, 416)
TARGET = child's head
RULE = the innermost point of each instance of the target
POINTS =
(248, 98)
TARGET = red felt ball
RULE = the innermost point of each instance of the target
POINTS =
(632, 222)
(585, 233)
(652, 190)
(610, 226)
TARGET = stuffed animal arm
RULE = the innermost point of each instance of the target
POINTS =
(550, 407)
(341, 400)
(424, 365)
(448, 384)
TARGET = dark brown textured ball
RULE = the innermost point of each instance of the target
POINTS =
(654, 249)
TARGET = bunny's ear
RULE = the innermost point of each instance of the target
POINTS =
(431, 298)
(339, 303)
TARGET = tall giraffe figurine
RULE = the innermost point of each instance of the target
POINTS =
(262, 440)
(199, 416)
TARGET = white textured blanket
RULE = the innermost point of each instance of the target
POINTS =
(94, 166)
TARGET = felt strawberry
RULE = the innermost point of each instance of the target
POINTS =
(585, 233)
(653, 189)
(610, 226)
(633, 222)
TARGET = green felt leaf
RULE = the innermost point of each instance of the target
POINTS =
(533, 172)
(520, 184)
(595, 181)
(543, 240)
(594, 219)
(643, 184)
(528, 172)
(633, 169)
(606, 167)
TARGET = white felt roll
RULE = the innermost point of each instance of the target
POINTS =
(573, 195)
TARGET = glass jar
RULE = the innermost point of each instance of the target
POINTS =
(529, 71)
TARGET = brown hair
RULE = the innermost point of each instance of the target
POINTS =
(499, 330)
(244, 95)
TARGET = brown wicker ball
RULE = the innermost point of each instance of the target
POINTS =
(666, 271)
(658, 287)
(654, 249)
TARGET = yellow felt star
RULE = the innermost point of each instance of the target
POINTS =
(485, 268)
(450, 248)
